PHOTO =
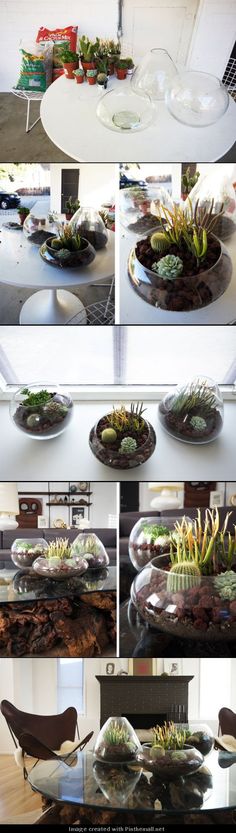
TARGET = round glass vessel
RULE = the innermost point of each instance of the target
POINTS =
(111, 455)
(88, 224)
(65, 258)
(38, 229)
(201, 738)
(170, 763)
(117, 742)
(197, 99)
(150, 537)
(24, 551)
(60, 568)
(193, 413)
(41, 411)
(190, 607)
(124, 112)
(89, 547)
(116, 783)
(153, 74)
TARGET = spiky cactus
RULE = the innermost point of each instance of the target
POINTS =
(128, 445)
(169, 267)
(183, 576)
(159, 243)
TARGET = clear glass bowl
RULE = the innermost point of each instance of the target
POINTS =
(191, 418)
(201, 738)
(136, 211)
(197, 99)
(153, 74)
(116, 783)
(89, 547)
(117, 742)
(42, 422)
(190, 607)
(38, 229)
(124, 112)
(24, 551)
(150, 537)
(58, 568)
(170, 763)
(110, 455)
(88, 223)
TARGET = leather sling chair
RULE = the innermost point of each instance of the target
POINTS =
(227, 722)
(40, 735)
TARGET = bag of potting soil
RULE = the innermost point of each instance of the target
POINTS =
(36, 68)
(60, 39)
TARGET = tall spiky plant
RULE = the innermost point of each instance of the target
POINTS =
(204, 544)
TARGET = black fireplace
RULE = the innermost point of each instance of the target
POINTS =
(145, 700)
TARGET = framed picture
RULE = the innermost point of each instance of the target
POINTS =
(110, 668)
(173, 667)
(142, 667)
(42, 522)
(76, 512)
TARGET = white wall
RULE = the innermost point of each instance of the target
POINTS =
(156, 23)
(104, 502)
(213, 36)
(96, 184)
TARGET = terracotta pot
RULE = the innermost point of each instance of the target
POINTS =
(92, 80)
(79, 79)
(68, 69)
(69, 216)
(88, 65)
(22, 218)
(121, 74)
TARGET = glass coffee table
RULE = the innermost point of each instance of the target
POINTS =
(88, 784)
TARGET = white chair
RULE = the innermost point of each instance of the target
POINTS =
(28, 96)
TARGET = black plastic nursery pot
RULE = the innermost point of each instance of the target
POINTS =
(192, 290)
(110, 455)
(82, 257)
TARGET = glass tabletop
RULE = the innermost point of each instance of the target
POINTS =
(90, 783)
(21, 585)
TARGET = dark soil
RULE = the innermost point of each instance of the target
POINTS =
(113, 753)
(182, 429)
(46, 424)
(109, 454)
(98, 239)
(39, 237)
(144, 224)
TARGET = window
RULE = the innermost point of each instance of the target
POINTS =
(215, 683)
(70, 684)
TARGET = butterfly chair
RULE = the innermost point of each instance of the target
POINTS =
(44, 736)
(227, 722)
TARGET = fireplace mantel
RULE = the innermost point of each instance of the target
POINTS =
(123, 694)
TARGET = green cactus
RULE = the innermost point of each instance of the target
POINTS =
(169, 267)
(159, 242)
(198, 423)
(183, 576)
(55, 411)
(128, 446)
(109, 435)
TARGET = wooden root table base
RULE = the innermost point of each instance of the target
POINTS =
(62, 813)
(79, 627)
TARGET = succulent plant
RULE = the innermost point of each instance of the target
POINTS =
(116, 735)
(60, 548)
(183, 576)
(169, 267)
(55, 411)
(108, 435)
(128, 445)
(225, 584)
(122, 420)
(198, 423)
(159, 243)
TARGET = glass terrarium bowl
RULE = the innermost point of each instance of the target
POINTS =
(38, 229)
(195, 288)
(44, 421)
(94, 580)
(153, 74)
(89, 547)
(59, 569)
(136, 211)
(148, 538)
(197, 99)
(117, 742)
(80, 258)
(88, 224)
(194, 412)
(24, 551)
(170, 763)
(201, 738)
(116, 783)
(110, 455)
(190, 607)
(124, 112)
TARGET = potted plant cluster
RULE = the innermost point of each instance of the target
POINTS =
(41, 413)
(121, 68)
(68, 249)
(182, 266)
(88, 53)
(117, 742)
(193, 413)
(191, 591)
(58, 561)
(23, 213)
(89, 547)
(123, 439)
(24, 552)
(170, 755)
(91, 76)
(148, 538)
(79, 75)
(70, 62)
(108, 51)
(71, 206)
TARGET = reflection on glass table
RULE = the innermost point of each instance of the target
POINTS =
(20, 586)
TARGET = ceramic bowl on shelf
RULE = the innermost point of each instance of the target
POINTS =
(41, 411)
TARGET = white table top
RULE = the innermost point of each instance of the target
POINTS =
(68, 114)
(134, 310)
(69, 456)
(22, 265)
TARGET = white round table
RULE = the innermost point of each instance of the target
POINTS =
(68, 114)
(21, 265)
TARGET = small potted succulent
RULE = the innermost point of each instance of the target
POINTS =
(91, 76)
(24, 552)
(88, 52)
(71, 206)
(41, 413)
(68, 249)
(121, 68)
(123, 439)
(23, 213)
(188, 181)
(170, 755)
(193, 413)
(58, 561)
(182, 266)
(70, 62)
(148, 538)
(117, 742)
(79, 75)
(191, 591)
(130, 67)
(102, 72)
(89, 547)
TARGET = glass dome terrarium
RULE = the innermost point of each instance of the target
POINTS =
(89, 547)
(117, 742)
(24, 551)
(59, 562)
(116, 783)
(41, 411)
(88, 223)
(191, 592)
(123, 439)
(153, 74)
(38, 229)
(169, 755)
(67, 249)
(138, 208)
(194, 412)
(197, 99)
(150, 537)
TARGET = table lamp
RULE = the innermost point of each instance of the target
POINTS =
(9, 506)
(168, 497)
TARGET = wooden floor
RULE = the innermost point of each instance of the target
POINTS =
(17, 799)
